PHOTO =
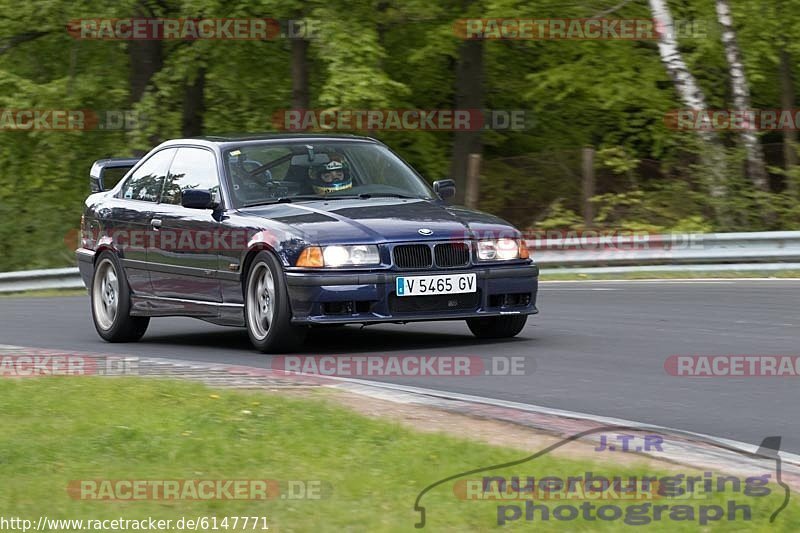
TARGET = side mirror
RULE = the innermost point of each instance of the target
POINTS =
(445, 188)
(197, 199)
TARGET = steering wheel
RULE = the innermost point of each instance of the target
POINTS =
(248, 166)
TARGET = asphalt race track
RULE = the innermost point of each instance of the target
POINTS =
(598, 347)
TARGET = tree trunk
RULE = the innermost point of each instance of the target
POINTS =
(588, 185)
(473, 189)
(756, 168)
(194, 105)
(146, 57)
(787, 102)
(300, 92)
(690, 94)
(469, 95)
(146, 60)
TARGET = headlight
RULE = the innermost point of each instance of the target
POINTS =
(335, 255)
(502, 249)
(338, 256)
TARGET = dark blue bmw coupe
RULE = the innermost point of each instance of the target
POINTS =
(280, 234)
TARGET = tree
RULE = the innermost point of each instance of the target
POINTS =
(688, 90)
(194, 104)
(469, 94)
(787, 102)
(756, 168)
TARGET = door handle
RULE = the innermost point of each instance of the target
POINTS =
(156, 223)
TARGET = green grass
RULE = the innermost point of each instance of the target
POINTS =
(53, 430)
(728, 274)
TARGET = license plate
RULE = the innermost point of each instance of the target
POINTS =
(429, 285)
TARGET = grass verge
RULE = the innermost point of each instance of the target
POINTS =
(56, 431)
(727, 274)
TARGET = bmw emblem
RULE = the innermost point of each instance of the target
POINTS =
(425, 231)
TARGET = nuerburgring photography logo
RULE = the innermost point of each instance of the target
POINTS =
(515, 498)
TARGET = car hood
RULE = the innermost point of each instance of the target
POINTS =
(378, 220)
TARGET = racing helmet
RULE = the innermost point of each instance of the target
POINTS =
(331, 176)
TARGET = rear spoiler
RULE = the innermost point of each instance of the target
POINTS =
(99, 168)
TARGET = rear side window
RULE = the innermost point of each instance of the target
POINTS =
(146, 182)
(192, 168)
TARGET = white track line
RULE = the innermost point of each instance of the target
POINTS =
(604, 420)
(406, 393)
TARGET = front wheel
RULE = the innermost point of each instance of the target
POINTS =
(266, 308)
(497, 327)
(111, 303)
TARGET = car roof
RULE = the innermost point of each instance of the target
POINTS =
(228, 141)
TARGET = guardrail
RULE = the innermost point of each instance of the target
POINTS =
(580, 254)
(583, 250)
(30, 280)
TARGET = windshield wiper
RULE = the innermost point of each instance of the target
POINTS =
(309, 197)
(366, 195)
(287, 200)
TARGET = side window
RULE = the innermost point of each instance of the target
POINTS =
(192, 168)
(145, 184)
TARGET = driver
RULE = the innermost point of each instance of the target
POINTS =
(331, 176)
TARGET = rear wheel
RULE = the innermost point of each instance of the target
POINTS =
(267, 312)
(111, 302)
(497, 327)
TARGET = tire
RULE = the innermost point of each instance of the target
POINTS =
(111, 302)
(497, 327)
(267, 314)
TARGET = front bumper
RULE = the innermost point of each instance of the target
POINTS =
(369, 297)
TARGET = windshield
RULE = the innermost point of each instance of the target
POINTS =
(297, 171)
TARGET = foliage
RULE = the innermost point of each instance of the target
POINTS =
(386, 54)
